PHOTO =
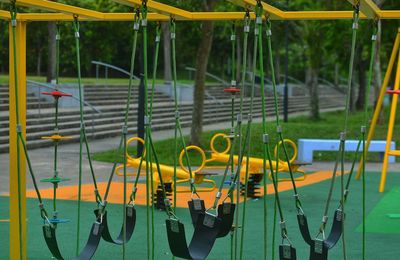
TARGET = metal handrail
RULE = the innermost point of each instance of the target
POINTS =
(223, 82)
(99, 63)
(337, 88)
(49, 86)
(46, 85)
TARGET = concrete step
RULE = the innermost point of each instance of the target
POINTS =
(47, 115)
(109, 122)
(34, 105)
(114, 129)
(115, 125)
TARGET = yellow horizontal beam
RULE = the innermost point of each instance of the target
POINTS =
(58, 7)
(273, 12)
(199, 16)
(219, 16)
(111, 17)
(389, 14)
(67, 12)
(5, 15)
(159, 8)
(129, 17)
(320, 15)
(368, 8)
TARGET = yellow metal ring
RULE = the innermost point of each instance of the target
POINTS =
(292, 144)
(127, 145)
(203, 158)
(228, 143)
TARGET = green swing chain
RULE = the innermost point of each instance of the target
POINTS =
(361, 141)
(83, 137)
(343, 134)
(233, 131)
(238, 135)
(366, 116)
(177, 116)
(146, 123)
(233, 74)
(236, 181)
(264, 125)
(148, 118)
(150, 148)
(150, 115)
(127, 108)
(56, 103)
(267, 153)
(248, 134)
(280, 140)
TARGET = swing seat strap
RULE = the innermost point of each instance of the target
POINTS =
(318, 250)
(287, 252)
(336, 229)
(304, 230)
(226, 212)
(196, 207)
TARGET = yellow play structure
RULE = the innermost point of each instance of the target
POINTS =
(182, 173)
(166, 171)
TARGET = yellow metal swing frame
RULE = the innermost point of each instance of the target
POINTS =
(160, 12)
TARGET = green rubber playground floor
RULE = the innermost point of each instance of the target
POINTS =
(383, 235)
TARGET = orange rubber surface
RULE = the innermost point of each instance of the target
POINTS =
(115, 195)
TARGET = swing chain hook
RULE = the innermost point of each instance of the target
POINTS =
(13, 13)
(321, 230)
(284, 233)
(298, 204)
(144, 3)
(44, 215)
(97, 196)
(247, 15)
(13, 5)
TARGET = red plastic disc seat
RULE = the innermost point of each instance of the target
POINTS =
(57, 94)
(232, 90)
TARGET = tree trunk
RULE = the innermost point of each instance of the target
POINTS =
(167, 51)
(377, 64)
(203, 53)
(312, 82)
(39, 62)
(337, 75)
(51, 62)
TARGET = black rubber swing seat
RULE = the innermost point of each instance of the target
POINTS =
(99, 230)
(226, 212)
(204, 236)
(49, 232)
(207, 228)
(130, 218)
(319, 248)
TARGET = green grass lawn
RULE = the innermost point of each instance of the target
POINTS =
(328, 127)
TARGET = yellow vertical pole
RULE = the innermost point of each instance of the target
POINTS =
(392, 118)
(16, 247)
(382, 94)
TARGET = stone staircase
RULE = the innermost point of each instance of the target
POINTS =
(110, 100)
